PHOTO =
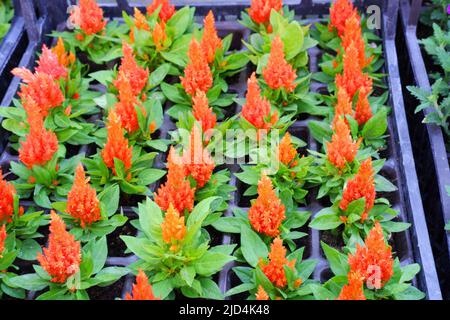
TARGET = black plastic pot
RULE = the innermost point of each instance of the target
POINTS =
(410, 246)
(428, 141)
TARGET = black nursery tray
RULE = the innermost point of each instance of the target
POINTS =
(428, 142)
(410, 246)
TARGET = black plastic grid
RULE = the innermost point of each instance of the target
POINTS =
(411, 246)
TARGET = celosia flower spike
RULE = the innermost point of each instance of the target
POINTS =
(65, 59)
(166, 12)
(142, 290)
(159, 35)
(274, 269)
(89, 17)
(354, 289)
(343, 106)
(361, 186)
(2, 239)
(197, 74)
(262, 294)
(363, 111)
(7, 193)
(342, 148)
(140, 23)
(353, 33)
(49, 63)
(202, 112)
(61, 259)
(340, 11)
(82, 201)
(267, 212)
(40, 144)
(116, 144)
(125, 107)
(210, 40)
(279, 73)
(137, 76)
(260, 10)
(374, 260)
(286, 151)
(173, 228)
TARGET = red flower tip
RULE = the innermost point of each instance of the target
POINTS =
(2, 239)
(363, 111)
(125, 107)
(61, 259)
(354, 289)
(197, 74)
(286, 151)
(202, 112)
(343, 106)
(210, 40)
(173, 228)
(279, 73)
(49, 63)
(267, 212)
(159, 35)
(140, 22)
(353, 33)
(82, 201)
(142, 290)
(274, 269)
(340, 11)
(7, 192)
(64, 59)
(88, 16)
(262, 294)
(166, 12)
(137, 76)
(260, 10)
(342, 148)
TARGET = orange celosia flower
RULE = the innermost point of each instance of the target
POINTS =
(201, 111)
(374, 260)
(177, 189)
(41, 88)
(354, 289)
(262, 294)
(142, 290)
(2, 239)
(137, 76)
(197, 160)
(267, 212)
(342, 148)
(361, 186)
(279, 73)
(48, 63)
(159, 35)
(353, 77)
(343, 106)
(7, 192)
(88, 16)
(166, 12)
(286, 151)
(353, 33)
(40, 144)
(210, 40)
(61, 259)
(197, 74)
(256, 109)
(82, 201)
(140, 22)
(340, 11)
(116, 146)
(363, 111)
(274, 269)
(173, 228)
(65, 59)
(125, 107)
(260, 10)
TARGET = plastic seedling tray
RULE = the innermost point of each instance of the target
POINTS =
(429, 143)
(410, 246)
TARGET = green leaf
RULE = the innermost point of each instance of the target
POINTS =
(150, 219)
(376, 126)
(187, 273)
(29, 249)
(202, 210)
(326, 222)
(211, 263)
(163, 288)
(30, 282)
(157, 76)
(320, 131)
(409, 272)
(338, 261)
(110, 198)
(384, 185)
(253, 248)
(148, 176)
(110, 274)
(105, 77)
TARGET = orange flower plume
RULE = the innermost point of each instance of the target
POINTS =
(256, 109)
(373, 261)
(197, 74)
(202, 112)
(39, 145)
(61, 259)
(89, 17)
(267, 212)
(343, 106)
(353, 77)
(140, 22)
(260, 10)
(41, 88)
(342, 148)
(7, 193)
(286, 151)
(361, 186)
(262, 294)
(159, 35)
(363, 111)
(210, 40)
(177, 189)
(274, 270)
(173, 228)
(64, 59)
(125, 107)
(49, 63)
(116, 145)
(137, 76)
(142, 290)
(2, 239)
(279, 73)
(340, 11)
(353, 33)
(197, 160)
(82, 201)
(166, 12)
(354, 289)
